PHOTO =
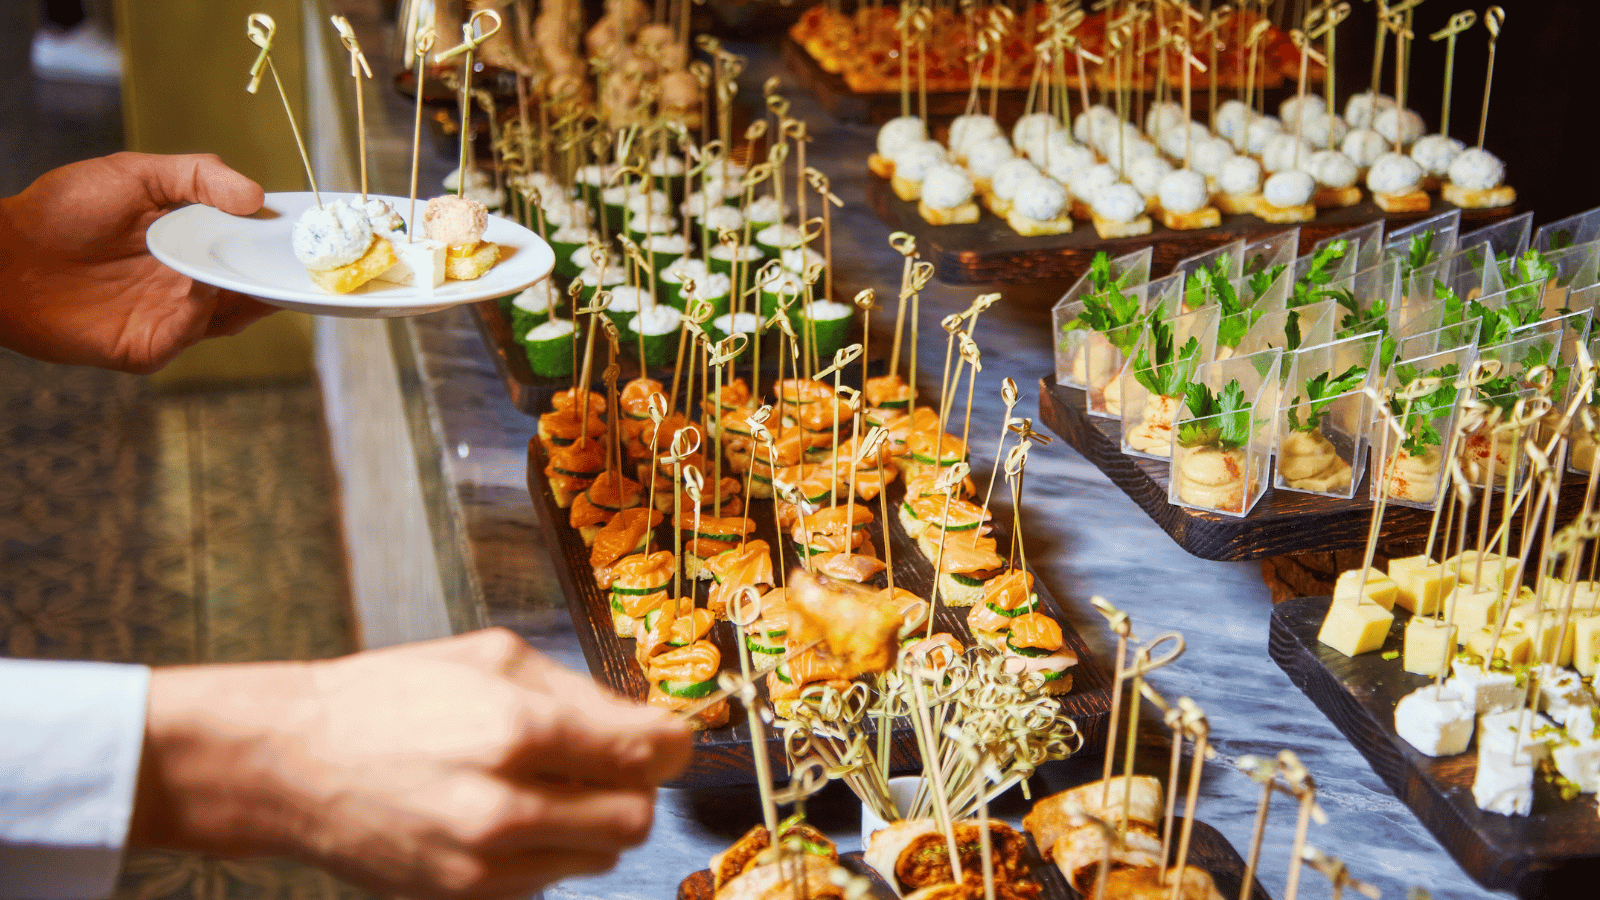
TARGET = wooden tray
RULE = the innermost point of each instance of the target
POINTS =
(1208, 849)
(723, 755)
(1554, 852)
(1282, 522)
(990, 252)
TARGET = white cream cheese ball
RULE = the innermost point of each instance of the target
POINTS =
(382, 217)
(1208, 156)
(1290, 188)
(1394, 173)
(1477, 170)
(946, 187)
(1364, 146)
(1240, 175)
(1435, 152)
(1041, 198)
(1099, 118)
(1034, 126)
(1147, 173)
(1323, 131)
(332, 235)
(1262, 129)
(1332, 169)
(969, 129)
(1183, 191)
(1010, 175)
(914, 160)
(1177, 140)
(986, 156)
(1065, 162)
(1117, 202)
(1394, 124)
(1162, 116)
(1362, 108)
(899, 132)
(1284, 152)
(1092, 179)
(1232, 119)
(1043, 146)
(1311, 105)
(1131, 152)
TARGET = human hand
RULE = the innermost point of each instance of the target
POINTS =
(77, 284)
(466, 768)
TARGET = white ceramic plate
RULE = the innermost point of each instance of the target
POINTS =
(252, 255)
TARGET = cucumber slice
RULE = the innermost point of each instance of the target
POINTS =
(651, 618)
(1031, 606)
(757, 645)
(688, 690)
(1033, 652)
(639, 592)
(968, 581)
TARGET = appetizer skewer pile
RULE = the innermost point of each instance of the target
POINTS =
(1100, 166)
(1249, 356)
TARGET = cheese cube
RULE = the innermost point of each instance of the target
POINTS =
(1586, 596)
(1501, 785)
(1491, 574)
(1379, 588)
(1470, 609)
(1485, 692)
(1422, 583)
(418, 263)
(1586, 644)
(1435, 720)
(1563, 694)
(1354, 628)
(1429, 645)
(1542, 627)
(1498, 733)
(1579, 763)
(1515, 646)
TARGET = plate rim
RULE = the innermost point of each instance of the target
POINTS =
(158, 242)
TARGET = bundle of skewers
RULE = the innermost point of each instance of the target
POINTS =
(1250, 368)
(1126, 834)
(668, 485)
(862, 46)
(1099, 165)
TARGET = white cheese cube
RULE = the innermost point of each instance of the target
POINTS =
(1499, 733)
(1422, 583)
(1435, 720)
(1579, 763)
(1502, 786)
(1485, 692)
(1586, 644)
(418, 263)
(1379, 588)
(1563, 695)
(1429, 645)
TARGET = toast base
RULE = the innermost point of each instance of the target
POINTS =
(904, 189)
(965, 214)
(469, 266)
(1109, 230)
(1504, 195)
(881, 166)
(1027, 227)
(1336, 198)
(344, 279)
(1415, 201)
(1237, 204)
(1204, 217)
(1286, 215)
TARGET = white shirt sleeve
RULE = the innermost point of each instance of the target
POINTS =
(70, 738)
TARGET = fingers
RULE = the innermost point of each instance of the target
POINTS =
(196, 178)
(235, 312)
(600, 741)
(551, 817)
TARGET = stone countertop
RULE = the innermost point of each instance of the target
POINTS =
(1084, 538)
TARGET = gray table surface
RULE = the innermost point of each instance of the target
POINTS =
(1084, 538)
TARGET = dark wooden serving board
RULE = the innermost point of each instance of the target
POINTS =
(1283, 522)
(723, 755)
(990, 252)
(1554, 852)
(1208, 849)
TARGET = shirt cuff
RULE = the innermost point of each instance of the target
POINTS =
(69, 765)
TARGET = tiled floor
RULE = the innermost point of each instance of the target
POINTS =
(152, 527)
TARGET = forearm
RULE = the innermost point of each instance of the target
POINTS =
(216, 771)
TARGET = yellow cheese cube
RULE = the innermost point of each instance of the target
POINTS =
(1469, 609)
(1354, 628)
(1585, 595)
(1493, 572)
(1421, 583)
(1379, 588)
(1429, 645)
(1586, 644)
(1542, 630)
(1515, 646)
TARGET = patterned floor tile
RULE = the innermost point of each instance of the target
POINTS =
(185, 876)
(271, 479)
(284, 599)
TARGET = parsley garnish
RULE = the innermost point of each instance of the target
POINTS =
(1320, 392)
(1419, 252)
(1525, 275)
(1236, 318)
(1561, 240)
(1221, 420)
(1418, 423)
(1360, 321)
(1106, 308)
(1170, 369)
(1310, 286)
